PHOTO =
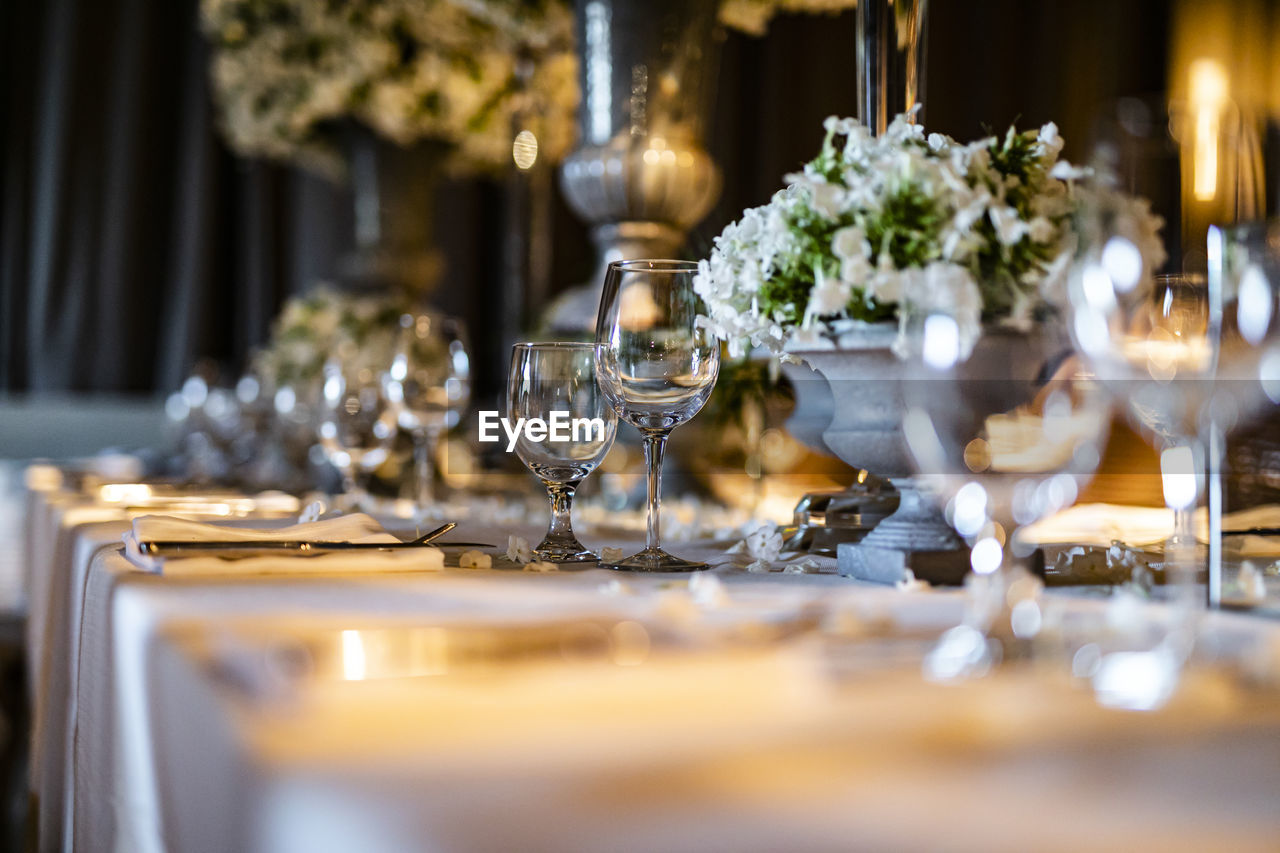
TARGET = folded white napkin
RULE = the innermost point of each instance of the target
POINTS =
(348, 528)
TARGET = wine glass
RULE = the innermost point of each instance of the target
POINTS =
(555, 383)
(1151, 340)
(1003, 434)
(657, 367)
(356, 425)
(1244, 273)
(428, 385)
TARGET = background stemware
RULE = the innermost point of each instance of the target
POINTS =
(1244, 271)
(356, 426)
(553, 378)
(657, 367)
(1004, 435)
(1151, 341)
(428, 384)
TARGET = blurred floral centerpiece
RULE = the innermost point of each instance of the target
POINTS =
(309, 327)
(880, 228)
(286, 72)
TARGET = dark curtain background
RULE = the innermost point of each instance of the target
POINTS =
(132, 243)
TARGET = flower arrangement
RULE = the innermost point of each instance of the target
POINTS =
(878, 228)
(285, 72)
(309, 328)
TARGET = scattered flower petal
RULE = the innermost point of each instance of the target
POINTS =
(475, 560)
(518, 550)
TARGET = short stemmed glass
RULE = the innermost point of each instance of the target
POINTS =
(657, 367)
(429, 385)
(356, 426)
(555, 384)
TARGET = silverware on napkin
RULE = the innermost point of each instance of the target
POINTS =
(249, 547)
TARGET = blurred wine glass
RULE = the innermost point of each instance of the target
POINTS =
(1198, 157)
(356, 425)
(657, 367)
(556, 384)
(1244, 271)
(428, 385)
(1003, 435)
(1151, 341)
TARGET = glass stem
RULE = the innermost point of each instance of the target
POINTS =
(561, 496)
(352, 490)
(654, 445)
(424, 444)
(1182, 549)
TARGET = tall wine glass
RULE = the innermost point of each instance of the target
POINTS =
(429, 386)
(1151, 340)
(356, 426)
(657, 367)
(555, 383)
(1003, 434)
(1244, 274)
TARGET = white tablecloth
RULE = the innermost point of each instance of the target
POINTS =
(93, 619)
(141, 747)
(731, 753)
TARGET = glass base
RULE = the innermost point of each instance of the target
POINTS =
(654, 560)
(561, 551)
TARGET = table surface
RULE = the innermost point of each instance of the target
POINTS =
(163, 714)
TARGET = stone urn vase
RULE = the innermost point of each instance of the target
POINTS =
(882, 525)
(641, 176)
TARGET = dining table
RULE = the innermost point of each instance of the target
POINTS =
(746, 707)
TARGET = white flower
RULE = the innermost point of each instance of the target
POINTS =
(541, 566)
(765, 542)
(518, 550)
(1009, 226)
(1050, 141)
(475, 560)
(829, 296)
(843, 126)
(1064, 171)
(1041, 230)
(886, 286)
(610, 555)
(850, 243)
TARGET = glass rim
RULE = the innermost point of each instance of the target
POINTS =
(654, 265)
(553, 345)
